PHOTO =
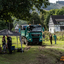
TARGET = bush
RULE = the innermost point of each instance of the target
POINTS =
(58, 34)
(46, 33)
(46, 38)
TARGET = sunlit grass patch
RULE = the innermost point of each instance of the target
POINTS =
(14, 41)
(59, 44)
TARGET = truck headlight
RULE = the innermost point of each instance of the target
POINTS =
(29, 39)
(40, 38)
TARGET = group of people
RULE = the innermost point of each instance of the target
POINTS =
(7, 45)
(9, 42)
(55, 37)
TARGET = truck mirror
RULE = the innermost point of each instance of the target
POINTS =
(43, 29)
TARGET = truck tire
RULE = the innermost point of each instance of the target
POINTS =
(23, 40)
(40, 43)
(26, 42)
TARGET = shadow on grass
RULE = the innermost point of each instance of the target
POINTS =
(43, 44)
(35, 55)
(48, 54)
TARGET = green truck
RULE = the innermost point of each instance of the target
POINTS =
(32, 34)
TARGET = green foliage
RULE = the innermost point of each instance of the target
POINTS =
(52, 11)
(42, 18)
(59, 12)
(46, 20)
(19, 8)
(35, 18)
(2, 25)
(63, 7)
(46, 33)
(19, 22)
(5, 25)
(60, 35)
(49, 13)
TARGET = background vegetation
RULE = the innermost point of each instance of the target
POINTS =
(60, 35)
(14, 13)
(35, 54)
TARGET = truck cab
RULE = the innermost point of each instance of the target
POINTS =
(33, 34)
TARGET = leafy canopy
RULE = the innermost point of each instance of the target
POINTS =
(34, 18)
(19, 8)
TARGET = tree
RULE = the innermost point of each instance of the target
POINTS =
(46, 21)
(4, 25)
(20, 22)
(52, 11)
(42, 18)
(63, 7)
(9, 25)
(59, 12)
(19, 8)
(35, 18)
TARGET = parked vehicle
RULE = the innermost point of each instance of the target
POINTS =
(32, 34)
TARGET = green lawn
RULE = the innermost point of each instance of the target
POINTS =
(35, 54)
(14, 41)
(59, 44)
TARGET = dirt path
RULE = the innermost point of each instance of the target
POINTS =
(27, 48)
(49, 56)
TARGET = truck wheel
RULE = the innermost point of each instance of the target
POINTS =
(40, 43)
(26, 42)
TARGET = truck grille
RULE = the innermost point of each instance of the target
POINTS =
(35, 39)
(35, 34)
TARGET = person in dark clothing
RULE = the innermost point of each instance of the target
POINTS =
(51, 39)
(4, 44)
(9, 44)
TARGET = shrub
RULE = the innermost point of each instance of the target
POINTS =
(46, 33)
(58, 34)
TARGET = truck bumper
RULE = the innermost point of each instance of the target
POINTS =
(34, 40)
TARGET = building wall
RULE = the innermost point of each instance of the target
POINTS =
(57, 28)
(51, 26)
(61, 23)
(51, 29)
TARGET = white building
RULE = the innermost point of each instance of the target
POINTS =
(56, 23)
(22, 27)
(17, 28)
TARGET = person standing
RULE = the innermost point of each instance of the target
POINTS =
(51, 39)
(55, 37)
(9, 44)
(4, 44)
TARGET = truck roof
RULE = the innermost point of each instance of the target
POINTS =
(35, 25)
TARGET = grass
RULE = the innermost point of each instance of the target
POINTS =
(59, 44)
(19, 58)
(45, 54)
(14, 41)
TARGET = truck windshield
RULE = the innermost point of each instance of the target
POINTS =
(35, 28)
